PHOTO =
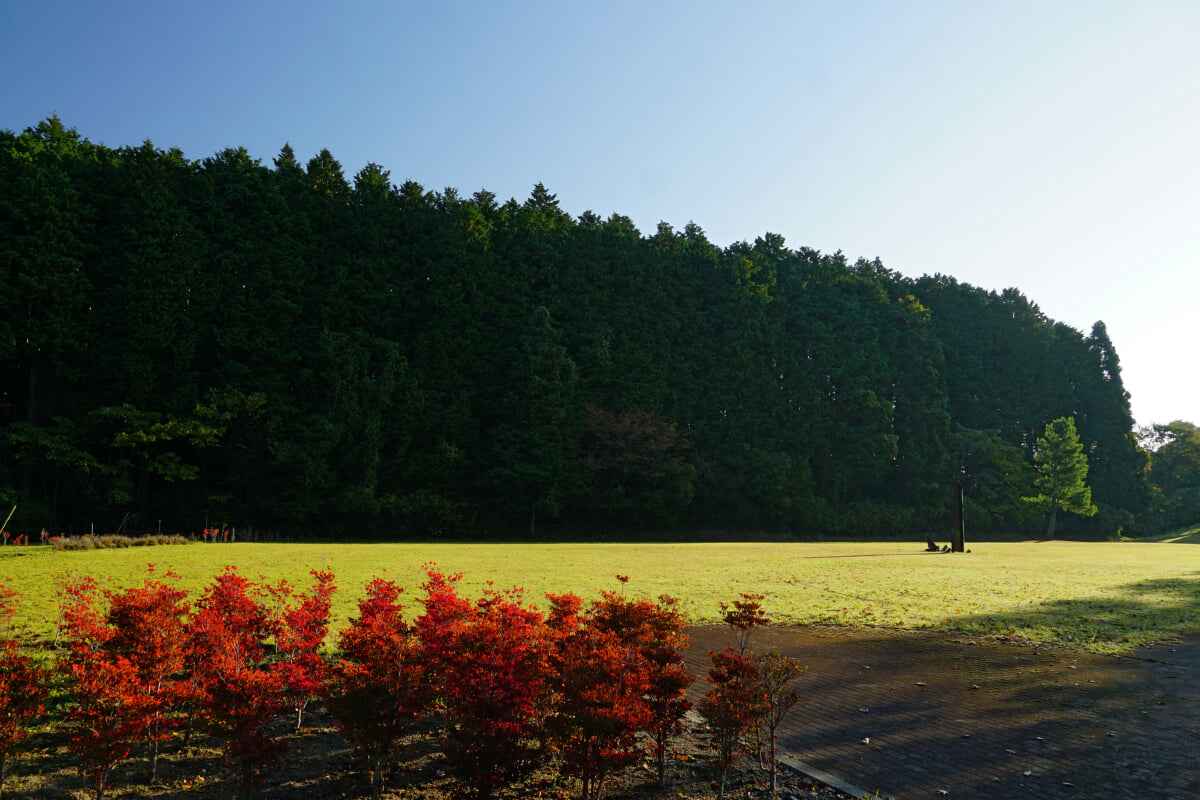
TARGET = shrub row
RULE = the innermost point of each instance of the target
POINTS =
(580, 687)
(109, 541)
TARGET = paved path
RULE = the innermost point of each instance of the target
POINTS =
(990, 721)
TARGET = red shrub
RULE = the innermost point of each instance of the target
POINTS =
(21, 688)
(147, 628)
(744, 616)
(238, 695)
(618, 670)
(490, 663)
(775, 675)
(731, 705)
(300, 626)
(669, 678)
(378, 688)
(113, 708)
(599, 706)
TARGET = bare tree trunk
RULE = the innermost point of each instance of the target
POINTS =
(378, 756)
(1053, 520)
(31, 418)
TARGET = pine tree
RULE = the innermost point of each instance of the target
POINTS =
(1062, 470)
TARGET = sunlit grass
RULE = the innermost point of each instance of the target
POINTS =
(1102, 597)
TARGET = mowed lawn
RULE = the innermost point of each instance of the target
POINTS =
(1102, 597)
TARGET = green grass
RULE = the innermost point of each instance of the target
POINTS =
(1100, 597)
(1189, 535)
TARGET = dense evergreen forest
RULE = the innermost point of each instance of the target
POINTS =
(278, 347)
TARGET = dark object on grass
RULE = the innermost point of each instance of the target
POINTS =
(959, 528)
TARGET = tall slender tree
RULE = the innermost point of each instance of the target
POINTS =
(1062, 472)
(532, 452)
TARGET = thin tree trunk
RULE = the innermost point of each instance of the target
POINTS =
(31, 396)
(774, 765)
(153, 761)
(31, 418)
(245, 790)
(1053, 520)
(377, 759)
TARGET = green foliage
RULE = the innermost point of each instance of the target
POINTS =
(994, 476)
(531, 445)
(1174, 474)
(278, 345)
(1062, 472)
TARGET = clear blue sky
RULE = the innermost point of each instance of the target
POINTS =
(1050, 146)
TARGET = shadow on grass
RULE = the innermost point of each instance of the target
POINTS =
(914, 554)
(922, 713)
(1138, 614)
(1189, 535)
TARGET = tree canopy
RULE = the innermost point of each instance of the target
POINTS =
(221, 341)
(1062, 470)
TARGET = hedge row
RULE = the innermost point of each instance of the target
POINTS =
(583, 688)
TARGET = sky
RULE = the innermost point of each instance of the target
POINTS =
(1050, 146)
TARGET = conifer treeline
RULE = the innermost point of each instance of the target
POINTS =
(219, 341)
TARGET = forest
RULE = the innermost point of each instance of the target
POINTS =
(192, 344)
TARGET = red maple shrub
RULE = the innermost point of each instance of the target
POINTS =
(112, 710)
(237, 694)
(490, 659)
(617, 670)
(109, 715)
(743, 616)
(600, 683)
(378, 687)
(148, 629)
(22, 687)
(300, 625)
(655, 632)
(662, 647)
(732, 703)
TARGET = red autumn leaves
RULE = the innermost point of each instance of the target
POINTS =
(21, 687)
(584, 688)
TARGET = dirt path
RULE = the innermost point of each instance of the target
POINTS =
(928, 715)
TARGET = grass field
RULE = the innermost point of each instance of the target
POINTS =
(1101, 597)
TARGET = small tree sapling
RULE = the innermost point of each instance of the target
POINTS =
(775, 675)
(730, 705)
